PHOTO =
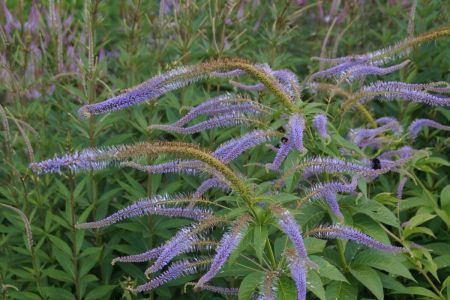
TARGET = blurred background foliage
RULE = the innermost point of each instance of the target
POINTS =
(83, 52)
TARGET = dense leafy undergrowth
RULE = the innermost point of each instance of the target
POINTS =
(258, 169)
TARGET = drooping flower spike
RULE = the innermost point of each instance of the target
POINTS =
(298, 272)
(227, 244)
(151, 206)
(175, 270)
(392, 90)
(183, 76)
(355, 69)
(349, 233)
(390, 53)
(220, 105)
(296, 126)
(287, 223)
(320, 124)
(418, 124)
(400, 187)
(225, 120)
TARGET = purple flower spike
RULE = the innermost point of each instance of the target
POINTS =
(176, 270)
(320, 124)
(417, 125)
(227, 244)
(11, 22)
(296, 127)
(180, 243)
(248, 87)
(402, 153)
(221, 107)
(331, 200)
(282, 153)
(235, 147)
(87, 159)
(208, 184)
(362, 70)
(399, 90)
(220, 290)
(149, 90)
(142, 257)
(145, 207)
(226, 120)
(336, 70)
(298, 273)
(400, 187)
(292, 229)
(192, 167)
(32, 25)
(349, 233)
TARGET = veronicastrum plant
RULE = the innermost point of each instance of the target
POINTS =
(253, 231)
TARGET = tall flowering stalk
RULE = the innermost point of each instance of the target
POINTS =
(243, 211)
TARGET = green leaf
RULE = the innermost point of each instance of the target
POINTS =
(259, 240)
(445, 199)
(58, 293)
(378, 212)
(339, 290)
(286, 289)
(315, 285)
(419, 219)
(100, 292)
(389, 262)
(249, 284)
(369, 278)
(327, 270)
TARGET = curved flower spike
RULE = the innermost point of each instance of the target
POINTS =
(298, 273)
(296, 126)
(417, 125)
(228, 243)
(349, 233)
(320, 124)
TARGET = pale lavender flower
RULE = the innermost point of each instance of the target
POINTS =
(257, 87)
(320, 124)
(336, 70)
(402, 153)
(208, 184)
(320, 189)
(141, 257)
(333, 165)
(282, 153)
(230, 119)
(11, 22)
(394, 124)
(32, 24)
(180, 243)
(87, 159)
(417, 125)
(402, 91)
(298, 273)
(148, 207)
(360, 136)
(331, 200)
(231, 149)
(149, 90)
(296, 126)
(228, 243)
(176, 270)
(349, 233)
(180, 166)
(220, 290)
(400, 187)
(219, 107)
(292, 229)
(362, 70)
